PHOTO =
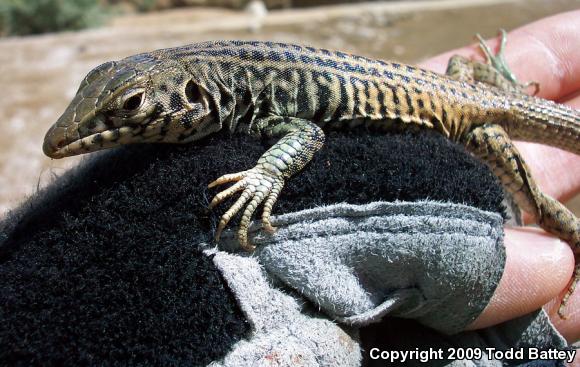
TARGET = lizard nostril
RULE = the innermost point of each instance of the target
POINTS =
(60, 144)
(54, 141)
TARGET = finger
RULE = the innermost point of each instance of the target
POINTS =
(545, 51)
(538, 267)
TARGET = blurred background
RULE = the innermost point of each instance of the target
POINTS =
(47, 47)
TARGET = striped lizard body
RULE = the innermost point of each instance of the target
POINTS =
(293, 93)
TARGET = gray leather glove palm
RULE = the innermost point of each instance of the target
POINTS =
(433, 263)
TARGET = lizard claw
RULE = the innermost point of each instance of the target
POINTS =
(532, 83)
(257, 185)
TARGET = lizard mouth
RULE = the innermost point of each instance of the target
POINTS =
(56, 146)
(57, 143)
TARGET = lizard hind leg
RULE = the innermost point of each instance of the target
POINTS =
(492, 144)
(463, 69)
(494, 72)
(499, 63)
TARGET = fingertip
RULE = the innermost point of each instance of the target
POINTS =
(538, 266)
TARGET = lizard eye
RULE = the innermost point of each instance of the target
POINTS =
(192, 92)
(134, 102)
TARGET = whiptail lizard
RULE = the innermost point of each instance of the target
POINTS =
(292, 92)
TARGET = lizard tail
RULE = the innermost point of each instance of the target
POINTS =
(542, 121)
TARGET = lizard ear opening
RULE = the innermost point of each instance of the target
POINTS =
(192, 92)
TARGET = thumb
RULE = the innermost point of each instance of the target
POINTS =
(538, 268)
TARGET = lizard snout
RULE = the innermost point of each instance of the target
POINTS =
(54, 141)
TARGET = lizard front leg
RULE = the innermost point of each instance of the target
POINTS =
(492, 144)
(300, 139)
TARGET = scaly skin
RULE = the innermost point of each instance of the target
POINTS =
(293, 92)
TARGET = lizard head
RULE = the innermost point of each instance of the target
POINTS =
(134, 100)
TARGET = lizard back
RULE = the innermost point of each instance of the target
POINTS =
(330, 88)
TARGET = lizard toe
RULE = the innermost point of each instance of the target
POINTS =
(221, 196)
(569, 291)
(233, 210)
(232, 177)
(257, 185)
(268, 204)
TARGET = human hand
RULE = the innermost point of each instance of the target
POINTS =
(539, 266)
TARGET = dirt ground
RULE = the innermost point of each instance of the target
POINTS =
(40, 74)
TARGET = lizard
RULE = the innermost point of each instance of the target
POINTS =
(293, 93)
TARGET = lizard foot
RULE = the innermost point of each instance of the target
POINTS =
(500, 64)
(570, 290)
(258, 185)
